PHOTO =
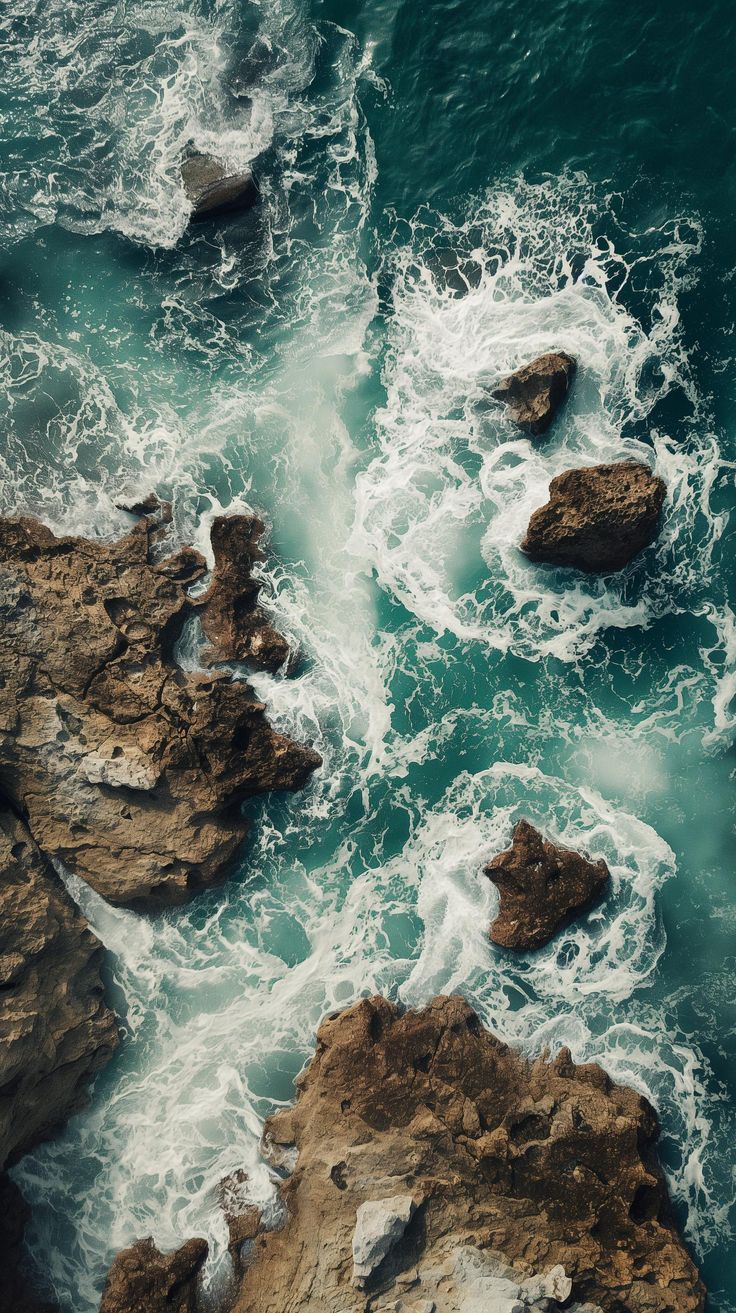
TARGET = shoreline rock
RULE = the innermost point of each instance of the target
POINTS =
(234, 624)
(143, 1280)
(542, 888)
(213, 192)
(534, 394)
(597, 518)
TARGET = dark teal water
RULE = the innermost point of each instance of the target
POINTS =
(448, 190)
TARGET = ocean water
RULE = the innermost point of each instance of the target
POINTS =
(447, 191)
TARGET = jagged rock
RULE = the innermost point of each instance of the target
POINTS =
(142, 1280)
(534, 393)
(244, 1220)
(542, 888)
(129, 769)
(55, 1029)
(527, 1166)
(235, 626)
(598, 518)
(379, 1223)
(213, 192)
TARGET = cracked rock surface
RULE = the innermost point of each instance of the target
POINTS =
(143, 1280)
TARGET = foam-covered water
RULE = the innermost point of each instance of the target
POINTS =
(328, 361)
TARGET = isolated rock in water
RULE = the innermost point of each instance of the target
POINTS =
(212, 191)
(378, 1225)
(142, 1280)
(521, 1168)
(598, 518)
(534, 393)
(234, 624)
(542, 888)
(128, 768)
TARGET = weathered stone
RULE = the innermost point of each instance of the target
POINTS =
(142, 1280)
(379, 1223)
(597, 519)
(213, 192)
(534, 393)
(542, 888)
(234, 624)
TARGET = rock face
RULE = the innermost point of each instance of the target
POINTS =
(529, 1177)
(55, 1030)
(234, 624)
(379, 1225)
(213, 192)
(128, 768)
(597, 519)
(534, 393)
(542, 888)
(142, 1280)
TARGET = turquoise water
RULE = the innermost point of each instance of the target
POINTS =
(448, 190)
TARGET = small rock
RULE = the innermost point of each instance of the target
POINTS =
(553, 1285)
(534, 393)
(379, 1224)
(598, 518)
(212, 191)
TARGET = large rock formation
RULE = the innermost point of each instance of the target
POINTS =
(142, 1280)
(542, 888)
(55, 1029)
(213, 192)
(533, 394)
(598, 518)
(527, 1180)
(128, 768)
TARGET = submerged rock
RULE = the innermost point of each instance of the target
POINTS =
(538, 1180)
(236, 627)
(542, 888)
(128, 768)
(535, 393)
(143, 1280)
(213, 192)
(597, 519)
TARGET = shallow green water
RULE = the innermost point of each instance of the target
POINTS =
(448, 190)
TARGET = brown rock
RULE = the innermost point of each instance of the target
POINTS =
(213, 192)
(129, 769)
(534, 393)
(142, 1280)
(542, 888)
(598, 518)
(234, 624)
(244, 1220)
(521, 1167)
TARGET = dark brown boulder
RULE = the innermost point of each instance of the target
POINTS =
(236, 627)
(213, 192)
(597, 518)
(143, 1280)
(534, 393)
(542, 888)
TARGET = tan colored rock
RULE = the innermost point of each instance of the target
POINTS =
(142, 1280)
(598, 518)
(534, 394)
(542, 888)
(522, 1167)
(129, 769)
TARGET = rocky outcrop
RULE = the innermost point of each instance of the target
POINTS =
(597, 519)
(128, 768)
(142, 1280)
(534, 394)
(542, 888)
(532, 1181)
(55, 1029)
(237, 629)
(213, 192)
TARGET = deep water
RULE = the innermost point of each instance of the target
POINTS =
(448, 190)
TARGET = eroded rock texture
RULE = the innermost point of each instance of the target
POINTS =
(234, 624)
(533, 394)
(128, 768)
(542, 888)
(524, 1176)
(142, 1280)
(597, 519)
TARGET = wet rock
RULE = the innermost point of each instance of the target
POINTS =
(128, 768)
(522, 1167)
(237, 629)
(534, 394)
(142, 1280)
(542, 888)
(379, 1223)
(597, 519)
(213, 192)
(244, 1219)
